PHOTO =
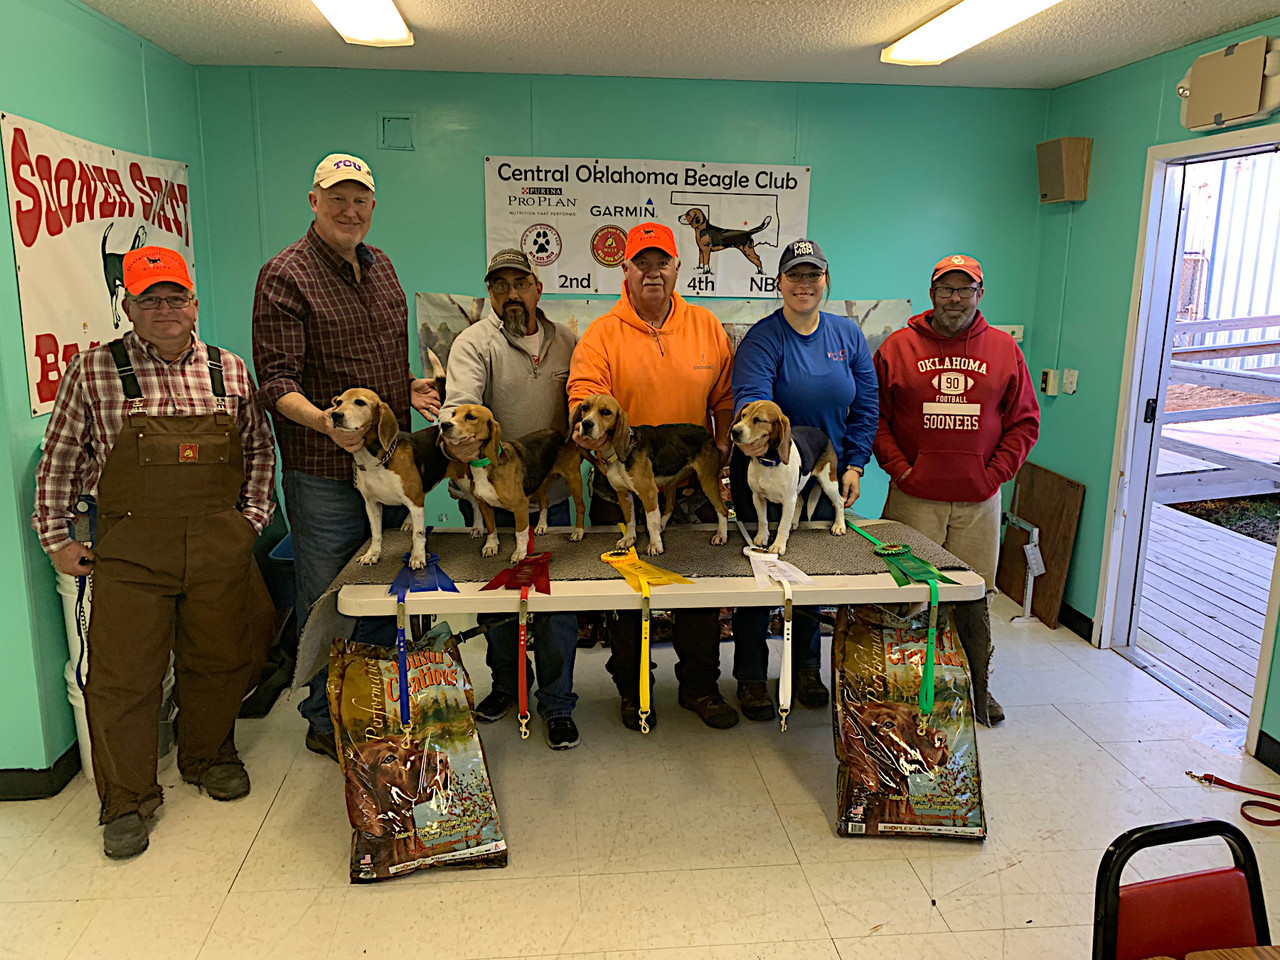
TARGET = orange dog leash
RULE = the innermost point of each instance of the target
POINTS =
(1213, 781)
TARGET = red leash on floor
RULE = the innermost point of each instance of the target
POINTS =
(1213, 781)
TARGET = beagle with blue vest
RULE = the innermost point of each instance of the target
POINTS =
(643, 460)
(779, 475)
(509, 474)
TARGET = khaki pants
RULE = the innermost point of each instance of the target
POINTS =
(971, 531)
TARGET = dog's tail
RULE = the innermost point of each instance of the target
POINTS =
(437, 372)
(764, 223)
(105, 233)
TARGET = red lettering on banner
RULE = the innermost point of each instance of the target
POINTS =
(50, 373)
(28, 217)
(86, 195)
(124, 203)
(107, 208)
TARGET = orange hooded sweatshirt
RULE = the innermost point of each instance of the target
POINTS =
(680, 373)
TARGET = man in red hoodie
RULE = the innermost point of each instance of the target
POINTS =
(958, 417)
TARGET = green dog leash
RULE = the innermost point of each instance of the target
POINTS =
(907, 568)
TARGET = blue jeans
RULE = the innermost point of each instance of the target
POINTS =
(555, 638)
(328, 522)
(751, 624)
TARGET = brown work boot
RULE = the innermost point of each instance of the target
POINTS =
(810, 690)
(631, 714)
(988, 712)
(711, 707)
(753, 700)
(125, 836)
(226, 781)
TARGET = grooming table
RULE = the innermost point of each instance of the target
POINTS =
(844, 570)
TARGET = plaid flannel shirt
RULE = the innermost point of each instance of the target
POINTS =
(90, 410)
(318, 331)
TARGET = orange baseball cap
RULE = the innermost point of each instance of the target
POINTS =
(151, 265)
(646, 235)
(959, 261)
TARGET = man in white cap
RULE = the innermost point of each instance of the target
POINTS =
(329, 314)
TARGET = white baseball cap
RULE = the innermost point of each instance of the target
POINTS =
(337, 167)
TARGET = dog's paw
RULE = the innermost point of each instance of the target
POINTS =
(719, 540)
(795, 521)
(778, 548)
(475, 532)
(417, 561)
(540, 529)
(838, 528)
(761, 538)
(407, 526)
(655, 547)
(370, 557)
(490, 548)
(577, 534)
(625, 542)
(519, 555)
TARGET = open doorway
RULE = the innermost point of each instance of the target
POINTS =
(1196, 510)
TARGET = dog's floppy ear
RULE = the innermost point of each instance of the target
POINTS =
(622, 434)
(388, 428)
(575, 418)
(784, 438)
(493, 446)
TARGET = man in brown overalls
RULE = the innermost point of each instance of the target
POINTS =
(164, 430)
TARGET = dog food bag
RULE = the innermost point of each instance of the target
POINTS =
(418, 796)
(901, 772)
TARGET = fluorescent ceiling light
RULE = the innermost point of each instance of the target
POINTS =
(965, 25)
(371, 23)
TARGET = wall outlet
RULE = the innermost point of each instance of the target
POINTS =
(1014, 331)
(1070, 379)
(1049, 382)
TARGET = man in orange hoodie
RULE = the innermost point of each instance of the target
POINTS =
(664, 361)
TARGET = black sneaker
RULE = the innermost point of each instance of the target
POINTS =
(631, 714)
(562, 733)
(495, 706)
(711, 707)
(125, 836)
(322, 743)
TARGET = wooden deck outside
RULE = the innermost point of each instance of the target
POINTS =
(1204, 600)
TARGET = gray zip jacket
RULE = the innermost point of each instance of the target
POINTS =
(486, 366)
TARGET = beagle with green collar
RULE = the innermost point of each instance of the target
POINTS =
(393, 467)
(794, 455)
(508, 474)
(644, 460)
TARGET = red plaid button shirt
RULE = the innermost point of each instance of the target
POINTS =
(318, 332)
(90, 409)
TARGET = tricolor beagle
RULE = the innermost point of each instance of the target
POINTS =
(794, 454)
(393, 467)
(509, 473)
(644, 460)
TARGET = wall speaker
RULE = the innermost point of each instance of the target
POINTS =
(1063, 166)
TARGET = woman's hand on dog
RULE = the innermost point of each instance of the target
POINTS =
(594, 444)
(464, 452)
(851, 486)
(757, 448)
(423, 396)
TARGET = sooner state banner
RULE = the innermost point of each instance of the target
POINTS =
(571, 216)
(76, 209)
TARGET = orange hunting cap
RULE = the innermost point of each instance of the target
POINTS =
(959, 261)
(646, 235)
(147, 266)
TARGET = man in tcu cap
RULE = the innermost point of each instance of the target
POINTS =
(516, 362)
(329, 314)
(164, 431)
(958, 417)
(665, 361)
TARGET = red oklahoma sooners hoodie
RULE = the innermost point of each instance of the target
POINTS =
(959, 412)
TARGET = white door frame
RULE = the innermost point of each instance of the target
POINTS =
(1129, 414)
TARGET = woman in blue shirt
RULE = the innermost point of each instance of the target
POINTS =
(816, 366)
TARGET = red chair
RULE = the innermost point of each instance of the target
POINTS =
(1174, 916)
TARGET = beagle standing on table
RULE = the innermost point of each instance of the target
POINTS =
(794, 454)
(394, 467)
(508, 474)
(644, 460)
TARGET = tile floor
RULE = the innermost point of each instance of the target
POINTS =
(690, 844)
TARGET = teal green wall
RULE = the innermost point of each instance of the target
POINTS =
(882, 158)
(1085, 280)
(72, 69)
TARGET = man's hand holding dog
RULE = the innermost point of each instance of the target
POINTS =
(67, 560)
(464, 452)
(423, 396)
(594, 444)
(348, 440)
(757, 448)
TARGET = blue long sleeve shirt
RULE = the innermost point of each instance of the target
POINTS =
(825, 380)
